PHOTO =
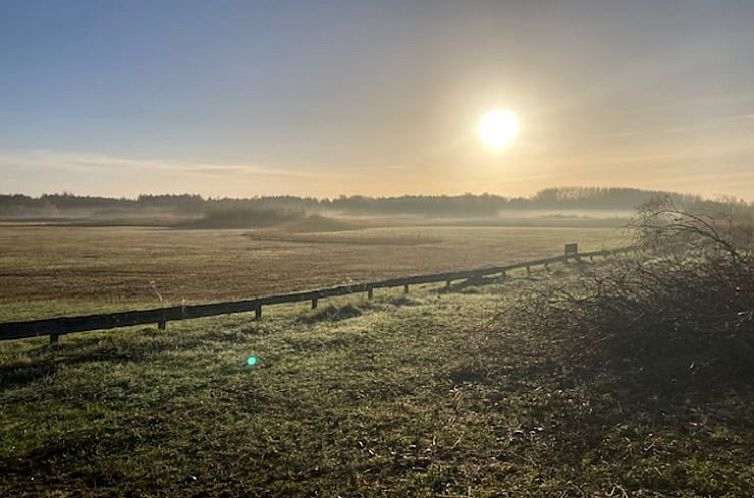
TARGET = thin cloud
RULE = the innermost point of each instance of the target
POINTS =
(89, 162)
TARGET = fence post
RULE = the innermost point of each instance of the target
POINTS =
(405, 289)
(571, 250)
(54, 338)
(314, 303)
(258, 312)
(528, 270)
(161, 325)
(370, 293)
(447, 284)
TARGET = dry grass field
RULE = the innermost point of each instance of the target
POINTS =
(61, 270)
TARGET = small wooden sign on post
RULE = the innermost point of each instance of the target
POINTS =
(571, 250)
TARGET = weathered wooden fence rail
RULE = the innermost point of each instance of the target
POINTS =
(54, 327)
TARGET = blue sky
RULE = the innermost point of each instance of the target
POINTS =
(322, 97)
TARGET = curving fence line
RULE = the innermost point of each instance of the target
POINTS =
(55, 327)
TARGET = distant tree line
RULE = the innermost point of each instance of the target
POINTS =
(571, 198)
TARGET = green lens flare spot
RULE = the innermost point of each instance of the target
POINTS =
(251, 361)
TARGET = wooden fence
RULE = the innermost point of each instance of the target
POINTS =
(55, 327)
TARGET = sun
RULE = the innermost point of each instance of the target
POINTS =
(498, 128)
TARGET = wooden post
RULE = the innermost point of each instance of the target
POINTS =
(571, 250)
(528, 270)
(314, 303)
(258, 312)
(161, 325)
(405, 289)
(370, 293)
(54, 338)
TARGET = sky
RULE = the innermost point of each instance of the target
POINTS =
(323, 98)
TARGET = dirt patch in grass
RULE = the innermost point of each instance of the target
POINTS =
(332, 313)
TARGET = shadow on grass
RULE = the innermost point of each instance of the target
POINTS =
(38, 470)
(43, 361)
(472, 285)
(332, 313)
(400, 301)
(661, 427)
(19, 375)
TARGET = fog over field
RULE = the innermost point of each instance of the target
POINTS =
(572, 202)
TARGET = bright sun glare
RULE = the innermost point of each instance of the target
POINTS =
(497, 128)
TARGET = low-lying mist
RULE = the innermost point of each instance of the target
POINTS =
(551, 207)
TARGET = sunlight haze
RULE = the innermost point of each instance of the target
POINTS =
(497, 129)
(376, 98)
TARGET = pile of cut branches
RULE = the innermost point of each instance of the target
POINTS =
(683, 304)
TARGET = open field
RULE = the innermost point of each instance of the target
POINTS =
(418, 395)
(50, 271)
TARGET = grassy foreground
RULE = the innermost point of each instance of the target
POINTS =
(418, 395)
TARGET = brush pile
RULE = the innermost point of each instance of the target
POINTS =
(682, 305)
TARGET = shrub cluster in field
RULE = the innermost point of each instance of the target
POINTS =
(682, 305)
(245, 217)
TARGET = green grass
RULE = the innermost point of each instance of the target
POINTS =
(418, 395)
